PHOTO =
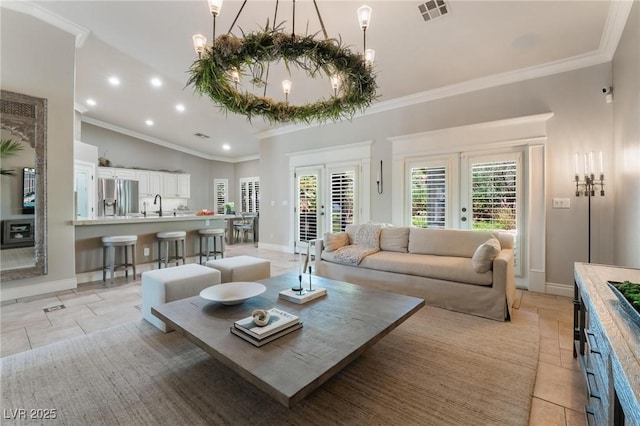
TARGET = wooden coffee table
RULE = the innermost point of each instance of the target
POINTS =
(337, 329)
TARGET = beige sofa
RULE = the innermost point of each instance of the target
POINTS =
(459, 270)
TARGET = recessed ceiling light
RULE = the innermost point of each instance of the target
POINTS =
(156, 82)
(91, 102)
(226, 147)
(149, 122)
(180, 107)
(114, 81)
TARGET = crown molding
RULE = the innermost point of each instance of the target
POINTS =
(164, 143)
(79, 32)
(614, 27)
(611, 34)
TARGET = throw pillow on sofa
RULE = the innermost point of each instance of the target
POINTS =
(482, 259)
(334, 241)
(368, 235)
(394, 239)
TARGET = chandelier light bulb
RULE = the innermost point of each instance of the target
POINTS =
(235, 76)
(199, 42)
(364, 16)
(215, 6)
(335, 83)
(369, 56)
(286, 86)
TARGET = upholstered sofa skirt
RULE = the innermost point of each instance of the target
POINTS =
(483, 301)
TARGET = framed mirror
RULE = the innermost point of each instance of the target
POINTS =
(23, 121)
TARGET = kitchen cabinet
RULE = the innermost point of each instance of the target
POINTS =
(116, 173)
(177, 185)
(150, 183)
(184, 186)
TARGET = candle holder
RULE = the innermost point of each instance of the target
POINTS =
(379, 181)
(310, 286)
(588, 188)
(299, 289)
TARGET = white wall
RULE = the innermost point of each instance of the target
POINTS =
(38, 60)
(626, 132)
(582, 122)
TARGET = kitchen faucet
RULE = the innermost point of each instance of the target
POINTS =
(155, 201)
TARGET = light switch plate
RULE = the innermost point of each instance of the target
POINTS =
(562, 203)
(146, 251)
(207, 222)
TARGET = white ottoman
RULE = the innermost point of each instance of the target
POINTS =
(179, 282)
(241, 268)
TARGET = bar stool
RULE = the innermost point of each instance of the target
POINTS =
(206, 235)
(109, 245)
(164, 238)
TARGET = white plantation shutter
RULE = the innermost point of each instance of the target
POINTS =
(428, 196)
(221, 188)
(342, 190)
(494, 195)
(307, 207)
(249, 195)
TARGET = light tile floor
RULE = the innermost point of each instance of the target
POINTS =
(559, 394)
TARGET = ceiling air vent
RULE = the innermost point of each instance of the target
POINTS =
(433, 9)
(202, 135)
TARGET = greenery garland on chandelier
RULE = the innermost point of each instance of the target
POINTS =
(211, 75)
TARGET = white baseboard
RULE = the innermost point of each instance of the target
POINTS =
(36, 289)
(559, 289)
(537, 281)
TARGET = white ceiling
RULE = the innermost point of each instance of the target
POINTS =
(477, 44)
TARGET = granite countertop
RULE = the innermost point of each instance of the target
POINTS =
(119, 220)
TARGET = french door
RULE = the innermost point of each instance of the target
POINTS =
(327, 200)
(481, 191)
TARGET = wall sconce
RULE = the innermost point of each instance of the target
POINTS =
(379, 179)
(589, 185)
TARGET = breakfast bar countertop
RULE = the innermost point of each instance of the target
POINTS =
(119, 220)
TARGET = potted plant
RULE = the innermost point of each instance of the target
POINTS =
(9, 148)
(228, 208)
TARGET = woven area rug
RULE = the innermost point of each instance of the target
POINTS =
(437, 368)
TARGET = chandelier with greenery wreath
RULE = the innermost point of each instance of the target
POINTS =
(217, 71)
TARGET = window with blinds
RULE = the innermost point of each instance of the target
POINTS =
(342, 199)
(494, 195)
(250, 195)
(221, 188)
(428, 196)
(307, 207)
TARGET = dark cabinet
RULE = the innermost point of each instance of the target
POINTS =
(607, 343)
(17, 233)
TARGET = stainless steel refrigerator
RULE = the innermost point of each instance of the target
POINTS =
(117, 197)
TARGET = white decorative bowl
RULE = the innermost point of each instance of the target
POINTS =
(232, 293)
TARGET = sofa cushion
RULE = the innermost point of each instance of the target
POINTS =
(351, 231)
(368, 235)
(482, 259)
(446, 242)
(448, 268)
(394, 239)
(334, 240)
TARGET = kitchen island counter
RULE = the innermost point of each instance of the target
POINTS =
(121, 220)
(88, 234)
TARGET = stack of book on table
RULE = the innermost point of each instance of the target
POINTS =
(280, 323)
